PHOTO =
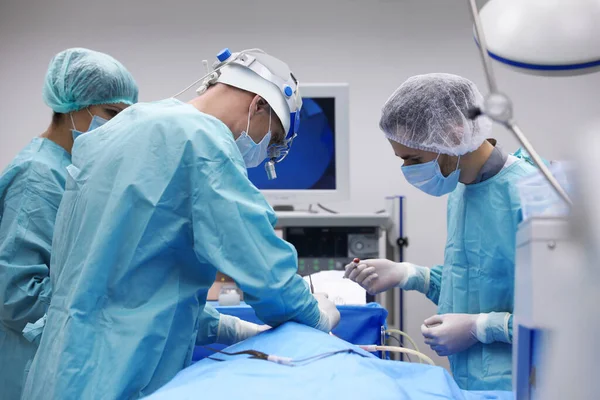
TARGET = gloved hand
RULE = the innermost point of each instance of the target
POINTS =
(449, 334)
(233, 330)
(379, 275)
(330, 316)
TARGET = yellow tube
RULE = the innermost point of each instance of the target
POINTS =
(399, 332)
(406, 351)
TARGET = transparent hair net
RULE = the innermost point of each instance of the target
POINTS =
(79, 78)
(429, 112)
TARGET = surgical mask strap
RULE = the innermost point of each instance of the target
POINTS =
(72, 121)
(248, 124)
(269, 119)
(457, 161)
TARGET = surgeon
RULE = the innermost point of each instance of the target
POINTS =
(157, 201)
(84, 89)
(444, 152)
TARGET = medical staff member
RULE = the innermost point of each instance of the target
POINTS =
(157, 201)
(83, 88)
(445, 152)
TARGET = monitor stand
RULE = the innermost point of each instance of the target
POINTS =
(283, 208)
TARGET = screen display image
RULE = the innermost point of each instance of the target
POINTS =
(310, 164)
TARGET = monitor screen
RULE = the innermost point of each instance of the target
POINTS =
(310, 164)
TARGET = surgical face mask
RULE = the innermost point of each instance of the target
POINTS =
(95, 123)
(253, 153)
(429, 178)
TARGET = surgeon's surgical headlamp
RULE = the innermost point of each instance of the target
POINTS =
(288, 88)
(278, 152)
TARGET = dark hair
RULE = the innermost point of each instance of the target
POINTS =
(56, 117)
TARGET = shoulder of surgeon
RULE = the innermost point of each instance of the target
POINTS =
(176, 123)
(39, 167)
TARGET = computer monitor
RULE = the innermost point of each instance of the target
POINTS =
(316, 169)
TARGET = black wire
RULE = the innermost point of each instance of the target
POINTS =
(253, 353)
(396, 339)
(294, 363)
(311, 211)
(325, 355)
(401, 345)
(329, 210)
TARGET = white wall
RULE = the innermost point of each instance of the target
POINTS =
(373, 45)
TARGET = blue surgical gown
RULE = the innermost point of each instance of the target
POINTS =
(31, 188)
(156, 202)
(478, 271)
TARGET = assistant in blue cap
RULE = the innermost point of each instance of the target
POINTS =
(78, 78)
(84, 88)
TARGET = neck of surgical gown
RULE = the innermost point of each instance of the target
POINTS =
(478, 271)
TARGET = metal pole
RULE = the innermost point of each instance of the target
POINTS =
(514, 128)
(510, 124)
(485, 57)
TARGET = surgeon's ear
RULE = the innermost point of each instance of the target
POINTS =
(262, 105)
(258, 105)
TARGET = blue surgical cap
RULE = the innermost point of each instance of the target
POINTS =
(79, 78)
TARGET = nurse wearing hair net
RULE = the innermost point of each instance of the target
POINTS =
(445, 152)
(83, 88)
